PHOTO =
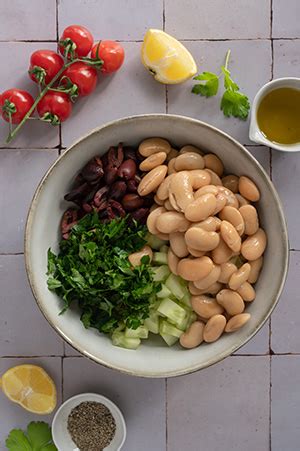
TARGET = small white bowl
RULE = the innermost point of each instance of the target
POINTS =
(255, 134)
(61, 436)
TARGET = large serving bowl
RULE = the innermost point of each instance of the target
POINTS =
(153, 358)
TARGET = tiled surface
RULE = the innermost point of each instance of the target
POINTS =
(228, 405)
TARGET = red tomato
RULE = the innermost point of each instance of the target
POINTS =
(76, 41)
(44, 65)
(17, 102)
(112, 54)
(55, 107)
(83, 76)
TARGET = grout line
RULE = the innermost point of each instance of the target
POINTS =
(166, 394)
(29, 148)
(270, 407)
(11, 253)
(62, 380)
(30, 356)
(56, 19)
(167, 98)
(271, 163)
(164, 15)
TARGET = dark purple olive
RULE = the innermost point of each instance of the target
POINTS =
(77, 193)
(117, 190)
(140, 215)
(100, 195)
(127, 170)
(111, 174)
(93, 170)
(129, 153)
(148, 200)
(132, 201)
(132, 185)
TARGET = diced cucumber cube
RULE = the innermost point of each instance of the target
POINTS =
(186, 300)
(154, 242)
(169, 339)
(160, 258)
(192, 319)
(139, 332)
(164, 292)
(164, 249)
(176, 286)
(169, 329)
(152, 323)
(119, 339)
(160, 273)
(171, 310)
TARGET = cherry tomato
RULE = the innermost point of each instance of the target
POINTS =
(112, 54)
(76, 41)
(44, 65)
(15, 102)
(55, 107)
(83, 76)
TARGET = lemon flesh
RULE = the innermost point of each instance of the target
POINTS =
(166, 58)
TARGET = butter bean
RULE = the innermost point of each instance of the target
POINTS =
(154, 145)
(193, 337)
(248, 189)
(230, 236)
(181, 191)
(152, 180)
(214, 328)
(201, 208)
(227, 269)
(222, 253)
(205, 306)
(194, 269)
(215, 179)
(208, 189)
(135, 257)
(151, 220)
(189, 161)
(230, 196)
(178, 244)
(190, 148)
(247, 292)
(172, 154)
(153, 161)
(199, 239)
(212, 289)
(210, 224)
(221, 202)
(237, 321)
(254, 246)
(231, 182)
(168, 206)
(171, 221)
(210, 279)
(173, 261)
(256, 266)
(239, 277)
(231, 301)
(241, 200)
(195, 252)
(199, 178)
(163, 190)
(235, 218)
(250, 217)
(171, 166)
(214, 163)
(158, 201)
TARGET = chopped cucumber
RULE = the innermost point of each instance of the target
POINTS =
(169, 329)
(160, 258)
(155, 242)
(171, 310)
(176, 286)
(119, 339)
(192, 319)
(160, 273)
(169, 339)
(164, 249)
(186, 300)
(140, 332)
(152, 323)
(164, 292)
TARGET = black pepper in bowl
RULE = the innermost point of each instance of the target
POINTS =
(91, 426)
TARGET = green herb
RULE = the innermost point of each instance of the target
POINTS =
(233, 103)
(37, 437)
(92, 268)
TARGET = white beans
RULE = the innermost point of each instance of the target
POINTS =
(201, 240)
(194, 269)
(205, 306)
(201, 208)
(214, 328)
(193, 336)
(231, 301)
(237, 321)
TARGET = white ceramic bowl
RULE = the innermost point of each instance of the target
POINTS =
(153, 358)
(61, 436)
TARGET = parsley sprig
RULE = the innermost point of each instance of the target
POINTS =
(233, 103)
(37, 437)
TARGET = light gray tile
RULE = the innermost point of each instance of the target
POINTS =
(285, 176)
(287, 58)
(262, 155)
(19, 312)
(223, 407)
(285, 337)
(112, 19)
(12, 415)
(218, 19)
(20, 172)
(286, 15)
(14, 75)
(69, 351)
(27, 20)
(245, 55)
(259, 344)
(132, 90)
(142, 401)
(285, 412)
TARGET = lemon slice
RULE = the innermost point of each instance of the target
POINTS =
(31, 387)
(166, 58)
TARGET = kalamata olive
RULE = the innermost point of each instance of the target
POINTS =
(140, 215)
(127, 169)
(148, 200)
(111, 174)
(77, 193)
(100, 195)
(132, 185)
(132, 201)
(117, 190)
(129, 153)
(93, 170)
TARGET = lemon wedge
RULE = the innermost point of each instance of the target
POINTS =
(166, 58)
(31, 387)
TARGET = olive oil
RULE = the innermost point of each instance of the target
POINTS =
(278, 116)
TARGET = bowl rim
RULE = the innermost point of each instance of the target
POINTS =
(27, 239)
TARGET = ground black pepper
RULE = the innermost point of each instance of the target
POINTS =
(91, 426)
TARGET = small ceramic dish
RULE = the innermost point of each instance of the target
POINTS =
(255, 134)
(61, 436)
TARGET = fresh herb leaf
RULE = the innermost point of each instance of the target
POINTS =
(236, 104)
(210, 87)
(37, 437)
